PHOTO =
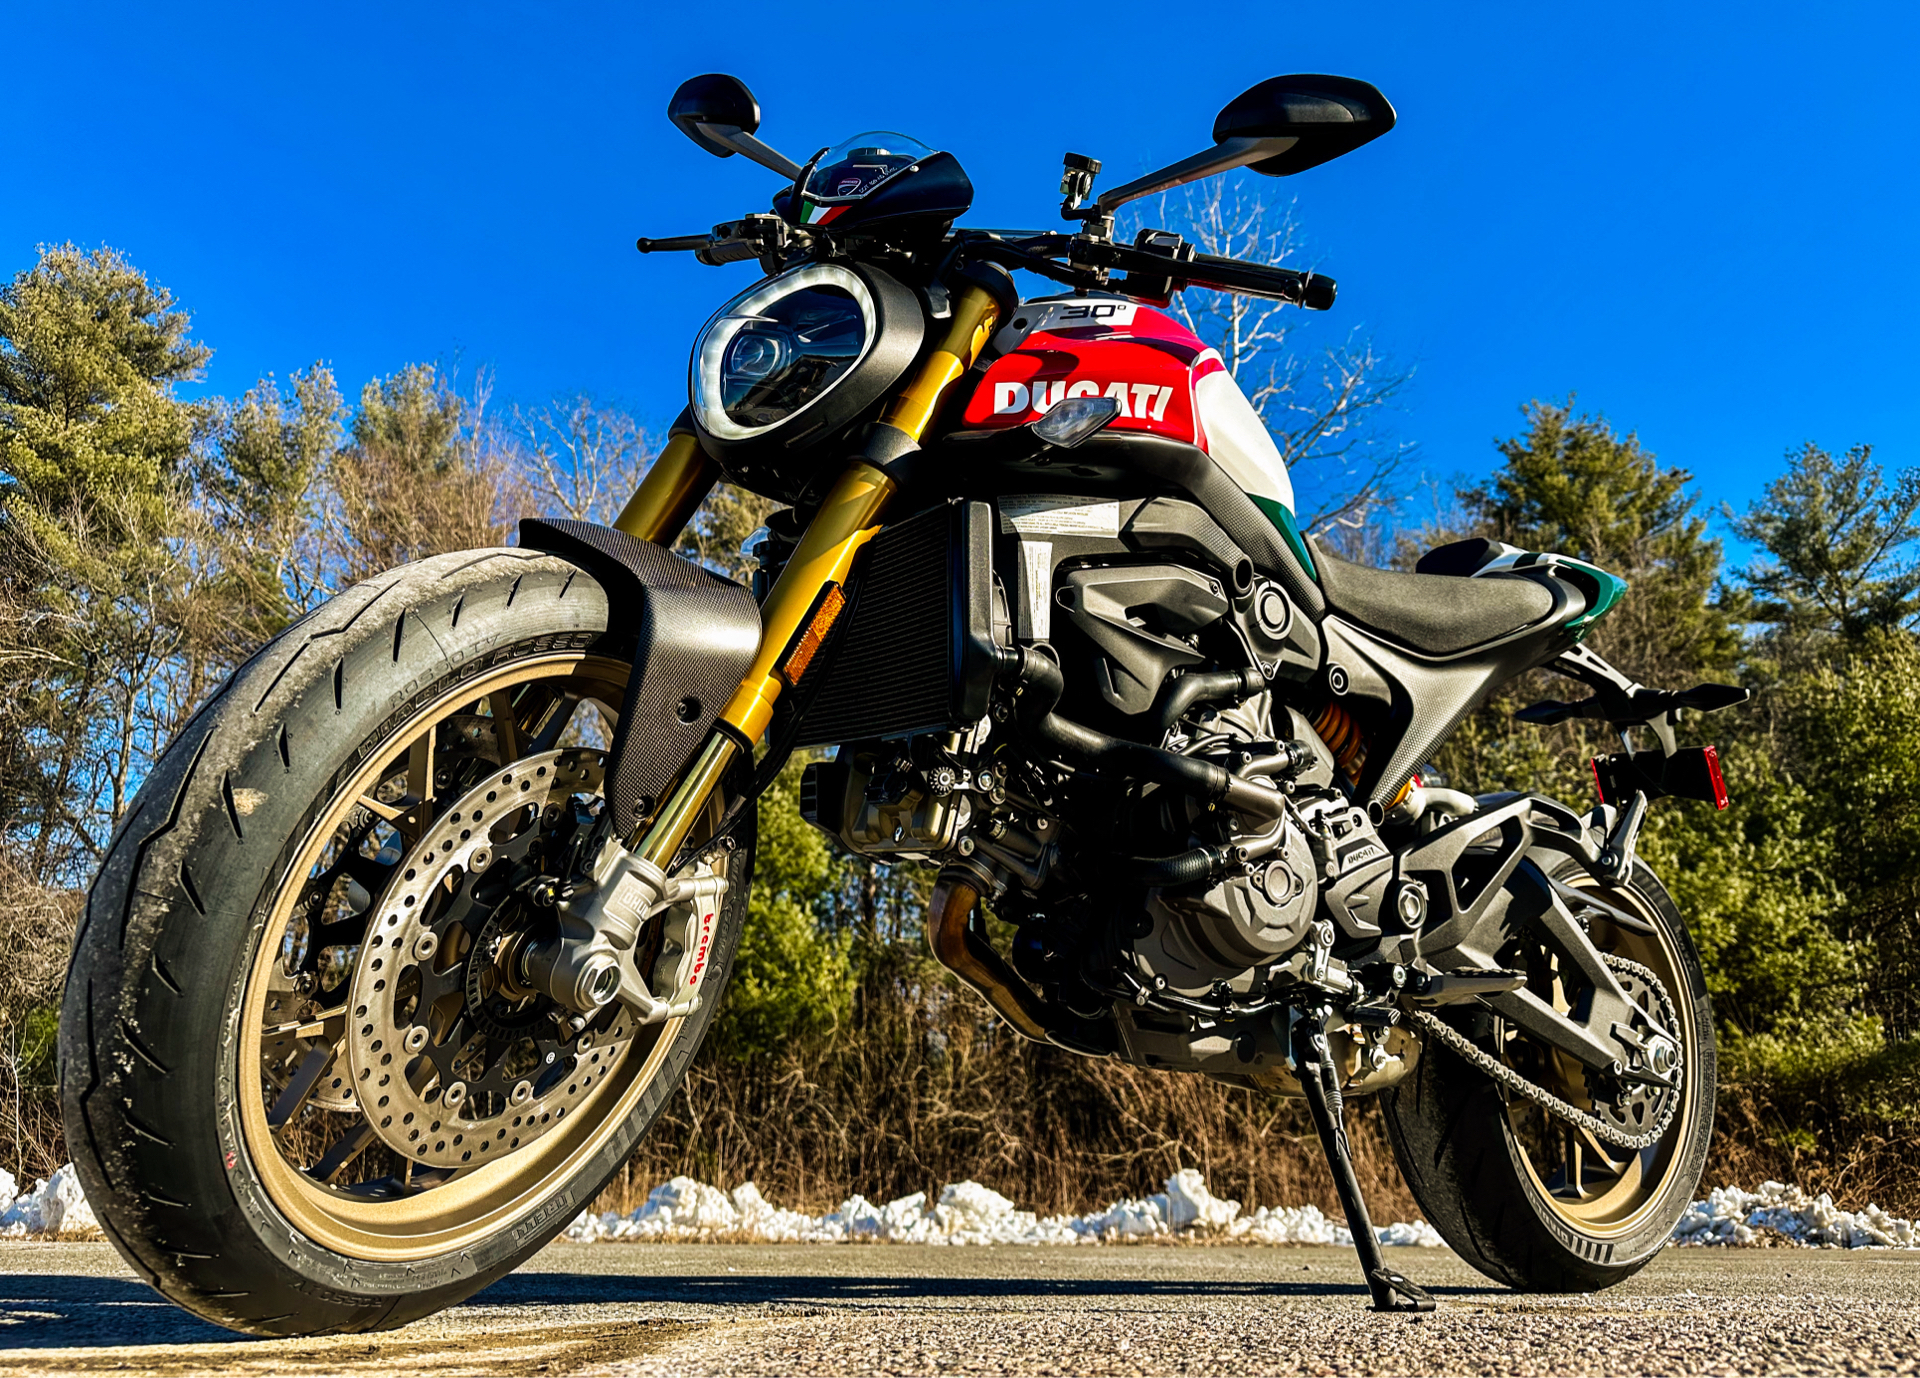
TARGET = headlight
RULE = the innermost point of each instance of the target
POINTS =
(778, 348)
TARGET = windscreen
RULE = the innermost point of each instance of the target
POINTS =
(852, 170)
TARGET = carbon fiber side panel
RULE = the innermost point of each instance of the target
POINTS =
(696, 634)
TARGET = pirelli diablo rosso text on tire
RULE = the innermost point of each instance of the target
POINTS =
(273, 1135)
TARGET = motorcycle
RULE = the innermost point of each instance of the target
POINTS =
(411, 935)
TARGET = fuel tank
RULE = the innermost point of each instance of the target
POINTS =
(1166, 379)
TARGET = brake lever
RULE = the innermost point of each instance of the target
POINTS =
(677, 244)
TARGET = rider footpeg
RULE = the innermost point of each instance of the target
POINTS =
(1465, 983)
(1393, 1292)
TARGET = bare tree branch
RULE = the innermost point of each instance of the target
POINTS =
(1320, 402)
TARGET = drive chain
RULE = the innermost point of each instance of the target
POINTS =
(1432, 1024)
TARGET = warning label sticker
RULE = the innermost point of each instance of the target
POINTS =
(1052, 514)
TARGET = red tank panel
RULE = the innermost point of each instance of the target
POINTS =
(1147, 361)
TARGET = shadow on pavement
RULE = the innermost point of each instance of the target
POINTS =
(891, 1291)
(61, 1311)
(67, 1311)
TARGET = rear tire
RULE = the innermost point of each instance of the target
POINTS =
(163, 1111)
(1474, 1161)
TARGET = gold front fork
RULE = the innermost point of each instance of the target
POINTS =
(674, 487)
(847, 519)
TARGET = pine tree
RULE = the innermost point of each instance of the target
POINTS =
(1839, 537)
(1573, 486)
(93, 441)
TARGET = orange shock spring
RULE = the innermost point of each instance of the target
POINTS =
(1342, 736)
(1348, 745)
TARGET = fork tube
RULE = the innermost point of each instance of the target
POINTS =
(848, 517)
(975, 313)
(674, 487)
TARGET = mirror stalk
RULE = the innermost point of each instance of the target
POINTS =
(1222, 157)
(743, 143)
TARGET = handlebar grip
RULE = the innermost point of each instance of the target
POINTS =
(1311, 290)
(679, 244)
(726, 251)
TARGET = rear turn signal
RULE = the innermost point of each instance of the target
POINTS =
(826, 610)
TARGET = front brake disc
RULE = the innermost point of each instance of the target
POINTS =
(454, 1063)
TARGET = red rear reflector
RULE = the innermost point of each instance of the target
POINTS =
(1712, 757)
(832, 603)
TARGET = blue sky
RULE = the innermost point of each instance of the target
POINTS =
(1700, 218)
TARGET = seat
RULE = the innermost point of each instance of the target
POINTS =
(1440, 614)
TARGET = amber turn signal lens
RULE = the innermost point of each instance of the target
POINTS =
(832, 603)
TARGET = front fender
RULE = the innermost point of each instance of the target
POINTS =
(695, 636)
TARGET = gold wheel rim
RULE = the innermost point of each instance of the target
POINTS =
(1601, 1191)
(474, 1204)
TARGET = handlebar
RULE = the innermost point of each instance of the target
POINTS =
(765, 237)
(1154, 272)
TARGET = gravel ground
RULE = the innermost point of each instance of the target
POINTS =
(749, 1309)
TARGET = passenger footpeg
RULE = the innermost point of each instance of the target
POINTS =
(1320, 1081)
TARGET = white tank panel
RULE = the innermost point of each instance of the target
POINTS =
(1237, 440)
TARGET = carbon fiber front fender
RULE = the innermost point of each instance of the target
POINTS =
(695, 636)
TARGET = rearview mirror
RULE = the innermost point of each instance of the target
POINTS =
(1324, 116)
(714, 99)
(719, 113)
(1282, 126)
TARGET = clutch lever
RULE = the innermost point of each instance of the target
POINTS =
(765, 237)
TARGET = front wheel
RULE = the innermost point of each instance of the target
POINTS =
(305, 1085)
(1527, 1197)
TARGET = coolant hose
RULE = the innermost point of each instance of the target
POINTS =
(1182, 868)
(1182, 692)
(1040, 685)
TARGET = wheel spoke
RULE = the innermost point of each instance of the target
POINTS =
(1573, 1147)
(420, 785)
(311, 1069)
(345, 1149)
(329, 1025)
(506, 727)
(555, 716)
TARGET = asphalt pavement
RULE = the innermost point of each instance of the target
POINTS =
(650, 1309)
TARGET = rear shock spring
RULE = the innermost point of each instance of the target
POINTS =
(1344, 739)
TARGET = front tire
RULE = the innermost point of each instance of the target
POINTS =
(1527, 1199)
(207, 1084)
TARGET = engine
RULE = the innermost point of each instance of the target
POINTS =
(1149, 925)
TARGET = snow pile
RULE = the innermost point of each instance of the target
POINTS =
(54, 1206)
(968, 1213)
(1780, 1213)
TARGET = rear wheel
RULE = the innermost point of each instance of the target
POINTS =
(306, 1086)
(1527, 1197)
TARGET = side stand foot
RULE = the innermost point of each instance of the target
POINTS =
(1318, 1079)
(1392, 1292)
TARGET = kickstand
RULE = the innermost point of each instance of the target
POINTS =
(1313, 1063)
